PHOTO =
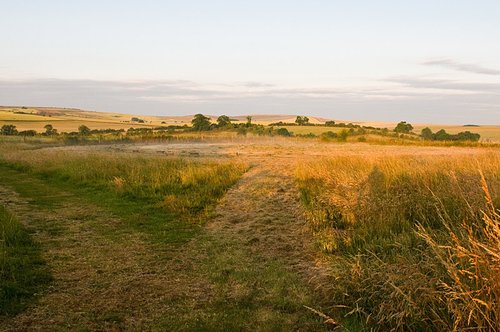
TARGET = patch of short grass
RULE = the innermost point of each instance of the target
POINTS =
(23, 273)
(247, 292)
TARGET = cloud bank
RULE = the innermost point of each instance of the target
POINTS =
(393, 99)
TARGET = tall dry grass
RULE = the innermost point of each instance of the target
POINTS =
(413, 242)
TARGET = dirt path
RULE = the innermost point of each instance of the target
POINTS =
(263, 211)
(247, 270)
(97, 264)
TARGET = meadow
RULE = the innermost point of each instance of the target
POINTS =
(412, 242)
(250, 232)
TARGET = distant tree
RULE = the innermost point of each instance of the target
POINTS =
(28, 133)
(84, 130)
(223, 121)
(8, 130)
(330, 123)
(442, 135)
(403, 127)
(249, 121)
(302, 120)
(468, 136)
(427, 134)
(49, 130)
(200, 122)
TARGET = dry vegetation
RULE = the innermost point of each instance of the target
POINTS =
(412, 242)
(397, 237)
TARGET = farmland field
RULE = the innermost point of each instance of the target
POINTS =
(67, 120)
(233, 234)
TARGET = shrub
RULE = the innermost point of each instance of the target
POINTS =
(283, 132)
(342, 135)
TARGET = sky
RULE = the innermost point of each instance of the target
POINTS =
(376, 60)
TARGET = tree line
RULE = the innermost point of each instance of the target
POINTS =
(201, 122)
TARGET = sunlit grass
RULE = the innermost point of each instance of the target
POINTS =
(163, 196)
(412, 242)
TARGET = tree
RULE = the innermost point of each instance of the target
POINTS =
(27, 133)
(8, 130)
(200, 122)
(49, 130)
(302, 120)
(223, 121)
(330, 123)
(441, 135)
(84, 130)
(468, 136)
(249, 121)
(427, 134)
(403, 127)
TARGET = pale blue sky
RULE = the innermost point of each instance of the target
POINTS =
(421, 61)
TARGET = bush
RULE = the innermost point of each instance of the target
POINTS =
(342, 135)
(283, 132)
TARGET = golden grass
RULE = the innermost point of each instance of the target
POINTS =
(411, 241)
(470, 260)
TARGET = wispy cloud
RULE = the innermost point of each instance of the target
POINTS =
(443, 84)
(466, 67)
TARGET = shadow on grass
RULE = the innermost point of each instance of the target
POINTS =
(23, 273)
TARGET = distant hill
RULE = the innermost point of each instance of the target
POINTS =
(69, 119)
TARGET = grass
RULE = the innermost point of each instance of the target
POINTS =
(210, 280)
(246, 291)
(411, 241)
(408, 239)
(164, 197)
(23, 273)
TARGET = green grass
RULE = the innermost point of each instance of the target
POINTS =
(168, 198)
(23, 273)
(247, 292)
